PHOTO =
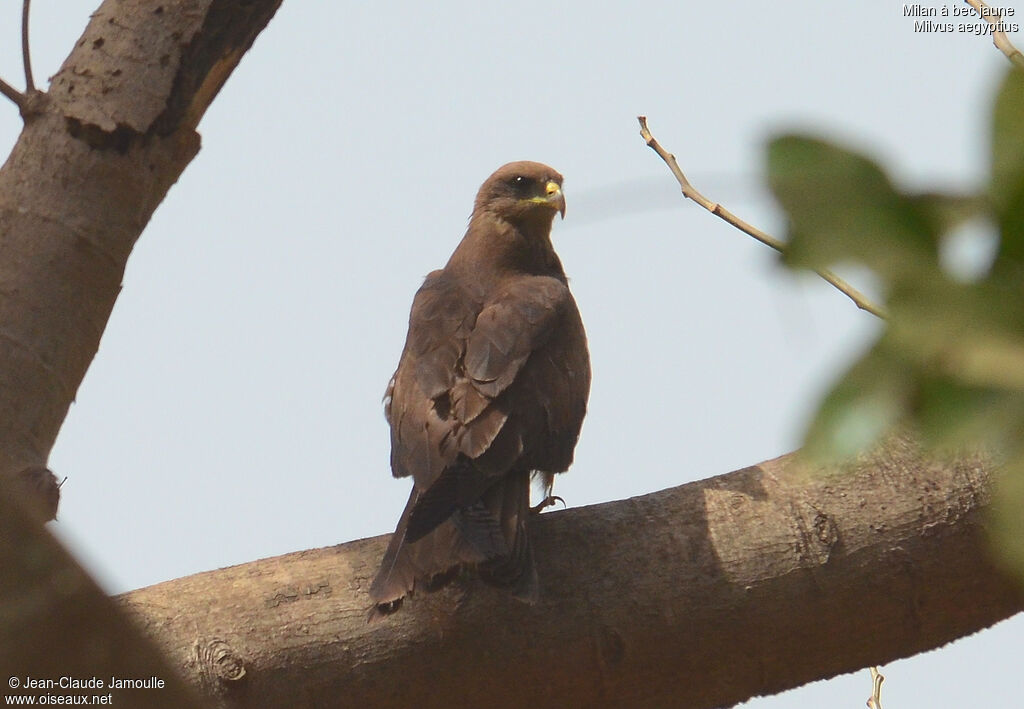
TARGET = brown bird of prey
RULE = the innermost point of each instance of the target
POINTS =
(490, 390)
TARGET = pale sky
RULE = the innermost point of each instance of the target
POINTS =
(234, 409)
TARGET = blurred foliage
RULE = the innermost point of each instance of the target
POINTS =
(949, 364)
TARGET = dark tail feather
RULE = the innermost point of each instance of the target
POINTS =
(394, 579)
(514, 568)
(482, 530)
(517, 572)
(427, 563)
(489, 533)
(460, 486)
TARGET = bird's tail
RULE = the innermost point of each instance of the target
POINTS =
(513, 567)
(490, 533)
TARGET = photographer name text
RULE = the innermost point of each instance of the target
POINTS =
(88, 683)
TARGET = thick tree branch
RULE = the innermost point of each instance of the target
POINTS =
(101, 150)
(97, 154)
(700, 596)
(689, 191)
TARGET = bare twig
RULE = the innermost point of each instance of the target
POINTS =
(26, 57)
(999, 38)
(875, 700)
(21, 99)
(859, 299)
(13, 94)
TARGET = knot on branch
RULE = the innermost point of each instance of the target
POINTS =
(219, 664)
(817, 534)
(826, 530)
(41, 491)
(34, 103)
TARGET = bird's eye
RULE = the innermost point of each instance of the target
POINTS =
(521, 184)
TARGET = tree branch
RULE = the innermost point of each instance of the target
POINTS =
(700, 596)
(26, 56)
(107, 141)
(58, 623)
(999, 38)
(13, 94)
(21, 99)
(875, 700)
(123, 127)
(859, 299)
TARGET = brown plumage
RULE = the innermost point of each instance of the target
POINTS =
(491, 388)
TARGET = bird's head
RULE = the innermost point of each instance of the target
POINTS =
(522, 193)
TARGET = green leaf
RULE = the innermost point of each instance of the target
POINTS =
(863, 406)
(946, 211)
(842, 207)
(971, 332)
(951, 415)
(964, 346)
(1007, 186)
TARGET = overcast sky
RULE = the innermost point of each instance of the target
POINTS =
(234, 409)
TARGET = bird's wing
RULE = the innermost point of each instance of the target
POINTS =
(439, 323)
(518, 322)
(421, 429)
(487, 428)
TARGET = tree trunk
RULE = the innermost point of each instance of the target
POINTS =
(97, 155)
(700, 596)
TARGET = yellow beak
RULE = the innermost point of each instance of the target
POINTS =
(555, 197)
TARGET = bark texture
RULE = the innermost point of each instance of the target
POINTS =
(97, 155)
(700, 596)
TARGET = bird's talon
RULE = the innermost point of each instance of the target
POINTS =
(548, 501)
